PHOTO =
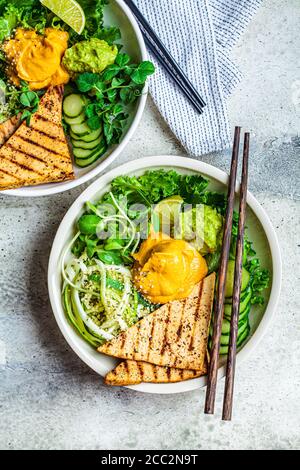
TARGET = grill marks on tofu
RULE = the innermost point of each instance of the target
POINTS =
(46, 148)
(54, 131)
(8, 127)
(134, 372)
(39, 153)
(175, 335)
(50, 108)
(12, 181)
(18, 164)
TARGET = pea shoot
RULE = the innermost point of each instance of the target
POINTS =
(27, 101)
(112, 91)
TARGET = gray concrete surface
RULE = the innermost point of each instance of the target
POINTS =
(49, 399)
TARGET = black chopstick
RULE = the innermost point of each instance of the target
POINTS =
(220, 297)
(166, 60)
(172, 74)
(231, 358)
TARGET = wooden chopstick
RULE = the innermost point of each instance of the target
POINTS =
(219, 304)
(166, 60)
(231, 358)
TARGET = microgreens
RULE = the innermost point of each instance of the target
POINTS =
(27, 101)
(112, 91)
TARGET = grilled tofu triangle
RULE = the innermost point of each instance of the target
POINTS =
(175, 335)
(136, 372)
(39, 153)
(8, 127)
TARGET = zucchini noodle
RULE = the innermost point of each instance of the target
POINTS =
(63, 261)
(138, 238)
(128, 220)
(127, 290)
(103, 301)
(87, 320)
(100, 299)
(68, 267)
(103, 282)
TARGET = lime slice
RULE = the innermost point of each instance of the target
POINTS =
(168, 210)
(69, 11)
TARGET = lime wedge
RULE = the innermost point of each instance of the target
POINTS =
(168, 210)
(69, 11)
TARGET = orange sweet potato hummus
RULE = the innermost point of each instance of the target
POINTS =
(167, 269)
(37, 58)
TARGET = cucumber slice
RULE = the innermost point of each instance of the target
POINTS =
(242, 314)
(241, 329)
(76, 120)
(226, 322)
(243, 337)
(224, 340)
(225, 327)
(245, 313)
(87, 138)
(230, 278)
(228, 300)
(73, 105)
(85, 145)
(223, 350)
(240, 339)
(83, 162)
(81, 129)
(245, 293)
(227, 310)
(233, 250)
(244, 300)
(83, 153)
(91, 151)
(93, 135)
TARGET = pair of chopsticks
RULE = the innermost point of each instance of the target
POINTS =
(166, 60)
(220, 297)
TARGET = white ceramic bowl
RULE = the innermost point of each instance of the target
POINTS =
(260, 232)
(116, 13)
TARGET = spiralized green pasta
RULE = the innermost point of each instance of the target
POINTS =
(100, 298)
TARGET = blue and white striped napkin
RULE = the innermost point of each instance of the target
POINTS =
(200, 35)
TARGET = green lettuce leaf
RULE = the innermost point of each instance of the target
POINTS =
(26, 14)
(156, 185)
(259, 280)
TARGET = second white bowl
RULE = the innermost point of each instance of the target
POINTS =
(260, 232)
(118, 14)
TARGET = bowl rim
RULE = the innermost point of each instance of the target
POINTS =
(36, 191)
(173, 162)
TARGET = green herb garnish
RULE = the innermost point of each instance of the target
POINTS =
(112, 90)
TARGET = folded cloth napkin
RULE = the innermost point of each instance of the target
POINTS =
(200, 35)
